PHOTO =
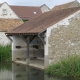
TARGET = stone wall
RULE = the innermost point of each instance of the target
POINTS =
(44, 8)
(9, 12)
(64, 40)
(3, 39)
(18, 53)
(75, 4)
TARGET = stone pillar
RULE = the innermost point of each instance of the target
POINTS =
(46, 57)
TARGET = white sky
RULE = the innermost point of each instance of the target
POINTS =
(49, 3)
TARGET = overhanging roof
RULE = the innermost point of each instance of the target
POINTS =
(42, 22)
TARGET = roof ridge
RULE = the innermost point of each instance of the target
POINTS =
(22, 6)
(65, 9)
(64, 3)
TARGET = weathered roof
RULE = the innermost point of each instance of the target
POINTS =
(7, 24)
(63, 6)
(26, 12)
(42, 22)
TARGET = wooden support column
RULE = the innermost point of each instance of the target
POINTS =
(28, 51)
(27, 39)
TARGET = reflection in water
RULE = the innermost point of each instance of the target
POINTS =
(5, 71)
(14, 71)
(26, 73)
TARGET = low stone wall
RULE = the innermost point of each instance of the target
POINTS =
(65, 40)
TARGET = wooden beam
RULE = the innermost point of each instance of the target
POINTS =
(32, 37)
(41, 38)
(9, 38)
(28, 51)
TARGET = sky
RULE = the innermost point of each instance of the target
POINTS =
(49, 3)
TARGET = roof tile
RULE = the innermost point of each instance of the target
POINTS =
(63, 6)
(26, 12)
(7, 24)
(43, 21)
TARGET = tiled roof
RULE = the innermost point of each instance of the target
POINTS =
(63, 6)
(7, 24)
(26, 12)
(43, 21)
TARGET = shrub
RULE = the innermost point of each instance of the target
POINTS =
(5, 53)
(69, 67)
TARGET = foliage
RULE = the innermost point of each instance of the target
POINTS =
(25, 21)
(5, 53)
(69, 67)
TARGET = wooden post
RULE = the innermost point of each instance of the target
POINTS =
(27, 54)
(28, 39)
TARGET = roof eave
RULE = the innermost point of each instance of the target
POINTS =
(21, 34)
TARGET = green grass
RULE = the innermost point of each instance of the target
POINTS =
(69, 67)
(5, 53)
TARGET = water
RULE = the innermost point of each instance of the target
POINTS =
(12, 71)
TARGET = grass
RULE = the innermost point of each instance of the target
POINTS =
(5, 53)
(69, 67)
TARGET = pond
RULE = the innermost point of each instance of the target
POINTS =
(12, 71)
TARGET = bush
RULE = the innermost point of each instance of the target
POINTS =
(69, 67)
(5, 53)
